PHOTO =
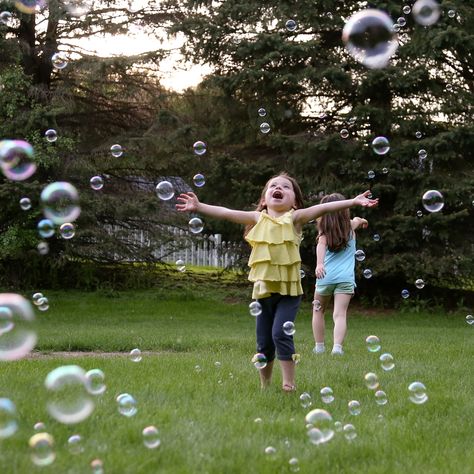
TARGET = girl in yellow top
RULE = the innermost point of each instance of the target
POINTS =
(274, 231)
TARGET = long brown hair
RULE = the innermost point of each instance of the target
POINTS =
(299, 201)
(335, 226)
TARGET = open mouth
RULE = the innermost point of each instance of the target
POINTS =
(277, 195)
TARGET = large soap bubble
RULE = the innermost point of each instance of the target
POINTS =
(426, 12)
(60, 202)
(16, 159)
(369, 37)
(322, 429)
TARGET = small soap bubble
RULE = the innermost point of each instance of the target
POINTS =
(165, 190)
(338, 426)
(376, 237)
(199, 180)
(381, 397)
(371, 175)
(259, 360)
(344, 133)
(289, 328)
(354, 407)
(197, 368)
(449, 87)
(367, 273)
(294, 465)
(432, 200)
(422, 154)
(406, 9)
(180, 266)
(45, 228)
(419, 213)
(42, 449)
(75, 444)
(17, 159)
(199, 148)
(255, 308)
(77, 8)
(291, 25)
(305, 400)
(380, 145)
(426, 12)
(136, 355)
(296, 358)
(327, 395)
(470, 319)
(262, 112)
(127, 405)
(195, 225)
(8, 418)
(43, 248)
(371, 380)
(39, 426)
(67, 230)
(97, 466)
(360, 255)
(96, 183)
(405, 294)
(322, 429)
(151, 437)
(396, 27)
(417, 393)
(419, 283)
(95, 384)
(60, 201)
(385, 170)
(373, 343)
(317, 305)
(116, 150)
(217, 364)
(270, 451)
(6, 18)
(25, 204)
(302, 274)
(401, 21)
(350, 432)
(265, 127)
(451, 13)
(51, 135)
(418, 134)
(43, 304)
(386, 360)
(59, 61)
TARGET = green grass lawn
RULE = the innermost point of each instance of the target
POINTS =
(206, 418)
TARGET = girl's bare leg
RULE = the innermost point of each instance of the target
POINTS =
(288, 374)
(266, 375)
(318, 317)
(341, 303)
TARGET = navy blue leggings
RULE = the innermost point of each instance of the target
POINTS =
(276, 310)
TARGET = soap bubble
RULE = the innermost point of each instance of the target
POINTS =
(116, 150)
(217, 364)
(432, 200)
(291, 25)
(262, 112)
(60, 202)
(373, 343)
(376, 237)
(294, 467)
(258, 420)
(151, 437)
(37, 297)
(451, 13)
(127, 405)
(59, 61)
(136, 355)
(77, 8)
(270, 451)
(406, 9)
(417, 393)
(51, 135)
(381, 397)
(367, 273)
(18, 336)
(387, 361)
(39, 426)
(422, 154)
(322, 426)
(349, 431)
(264, 127)
(405, 294)
(67, 230)
(197, 368)
(165, 190)
(371, 380)
(369, 37)
(180, 265)
(470, 319)
(418, 134)
(45, 228)
(43, 304)
(16, 159)
(6, 18)
(199, 180)
(360, 255)
(43, 248)
(338, 426)
(75, 444)
(96, 183)
(401, 21)
(95, 384)
(354, 407)
(42, 449)
(25, 203)
(371, 175)
(380, 145)
(259, 360)
(426, 12)
(327, 395)
(69, 400)
(344, 133)
(289, 328)
(255, 308)
(97, 466)
(305, 400)
(195, 225)
(8, 418)
(385, 170)
(419, 283)
(419, 213)
(199, 148)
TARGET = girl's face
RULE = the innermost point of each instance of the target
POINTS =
(280, 195)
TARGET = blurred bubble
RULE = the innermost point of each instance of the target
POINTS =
(426, 12)
(349, 431)
(289, 328)
(373, 343)
(43, 248)
(68, 397)
(451, 13)
(197, 368)
(449, 87)
(75, 444)
(385, 170)
(36, 298)
(376, 237)
(419, 213)
(97, 466)
(369, 37)
(116, 150)
(67, 230)
(199, 180)
(51, 135)
(322, 430)
(136, 355)
(305, 400)
(29, 6)
(60, 202)
(470, 319)
(381, 397)
(270, 451)
(405, 294)
(127, 405)
(16, 159)
(354, 407)
(344, 133)
(96, 183)
(180, 265)
(45, 228)
(59, 60)
(43, 304)
(432, 200)
(422, 154)
(264, 127)
(77, 8)
(165, 190)
(262, 112)
(218, 364)
(8, 418)
(25, 204)
(42, 449)
(291, 25)
(360, 255)
(419, 283)
(95, 384)
(338, 426)
(302, 274)
(317, 305)
(396, 27)
(327, 395)
(371, 175)
(371, 380)
(195, 225)
(367, 273)
(199, 148)
(406, 9)
(380, 145)
(255, 308)
(387, 361)
(418, 134)
(296, 358)
(294, 465)
(417, 393)
(40, 426)
(6, 18)
(18, 337)
(151, 437)
(259, 360)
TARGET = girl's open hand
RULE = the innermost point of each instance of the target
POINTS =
(363, 200)
(320, 271)
(187, 202)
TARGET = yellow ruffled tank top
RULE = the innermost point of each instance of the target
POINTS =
(275, 260)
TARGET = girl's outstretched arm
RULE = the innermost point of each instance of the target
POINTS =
(302, 216)
(189, 202)
(357, 222)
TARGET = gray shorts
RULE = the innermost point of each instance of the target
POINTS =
(328, 290)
